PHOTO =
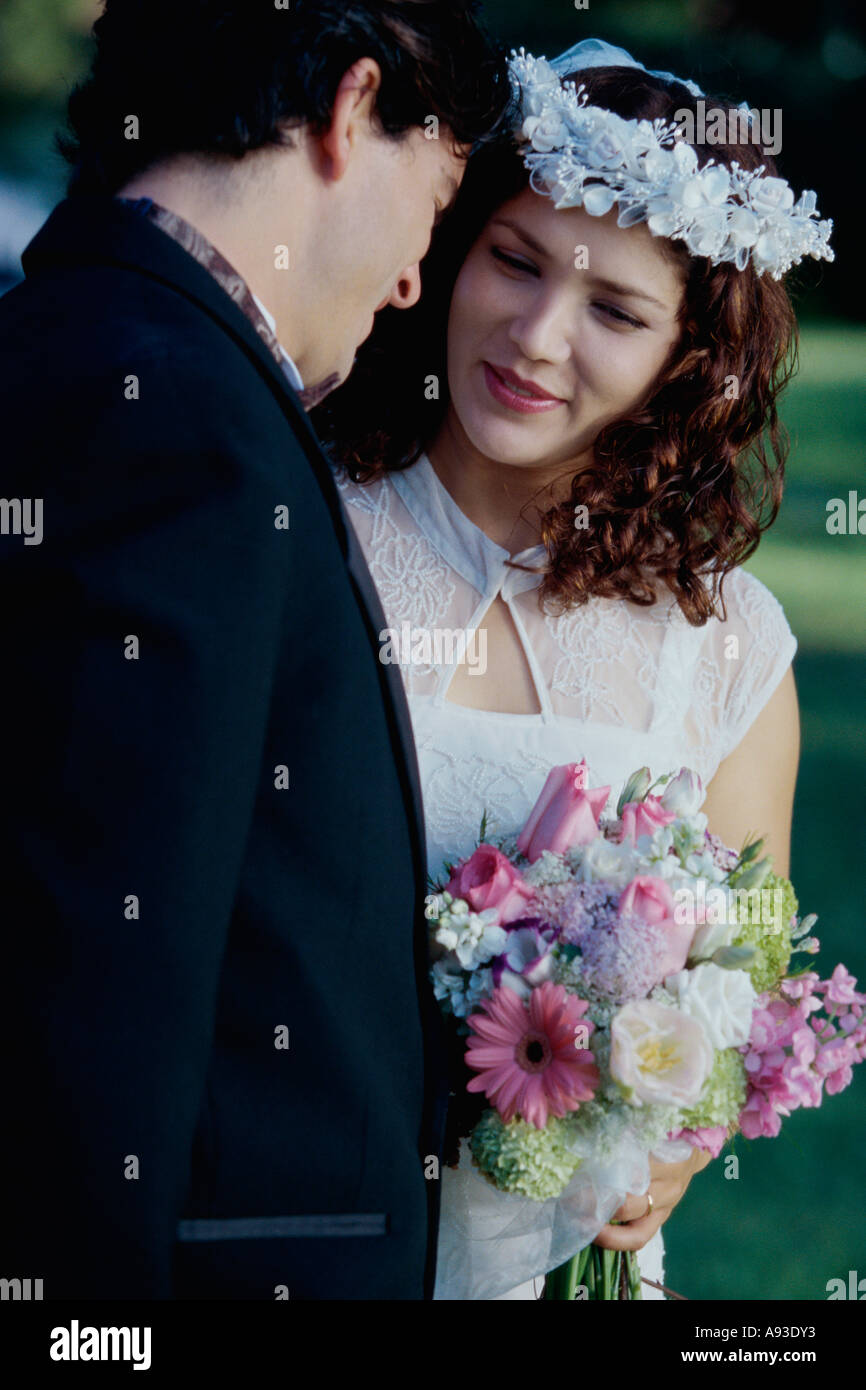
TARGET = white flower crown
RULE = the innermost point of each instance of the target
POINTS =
(586, 156)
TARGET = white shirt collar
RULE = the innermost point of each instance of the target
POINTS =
(288, 365)
(468, 549)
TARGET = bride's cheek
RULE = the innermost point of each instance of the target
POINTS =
(477, 294)
(467, 317)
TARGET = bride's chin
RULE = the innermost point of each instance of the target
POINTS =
(504, 454)
(498, 439)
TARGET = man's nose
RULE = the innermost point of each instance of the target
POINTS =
(407, 290)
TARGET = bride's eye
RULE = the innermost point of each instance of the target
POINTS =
(513, 262)
(620, 317)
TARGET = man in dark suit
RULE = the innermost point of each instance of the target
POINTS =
(223, 1070)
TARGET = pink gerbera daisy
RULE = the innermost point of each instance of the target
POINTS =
(532, 1059)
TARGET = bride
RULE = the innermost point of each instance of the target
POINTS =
(605, 451)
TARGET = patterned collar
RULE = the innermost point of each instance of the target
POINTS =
(203, 251)
(463, 545)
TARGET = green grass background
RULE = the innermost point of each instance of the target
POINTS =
(794, 1217)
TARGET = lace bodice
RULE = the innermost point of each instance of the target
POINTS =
(620, 685)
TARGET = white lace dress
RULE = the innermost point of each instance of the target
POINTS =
(619, 685)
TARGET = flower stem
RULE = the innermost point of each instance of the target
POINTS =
(607, 1276)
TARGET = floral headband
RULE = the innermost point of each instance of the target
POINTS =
(586, 156)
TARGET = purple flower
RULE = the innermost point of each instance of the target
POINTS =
(527, 960)
(622, 959)
(586, 907)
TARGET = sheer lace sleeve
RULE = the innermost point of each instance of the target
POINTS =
(741, 664)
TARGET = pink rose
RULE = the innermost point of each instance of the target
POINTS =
(651, 900)
(644, 818)
(565, 814)
(489, 880)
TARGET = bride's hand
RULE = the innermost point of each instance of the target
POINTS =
(668, 1183)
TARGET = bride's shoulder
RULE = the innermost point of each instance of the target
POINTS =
(741, 659)
(743, 655)
(747, 644)
(745, 608)
(752, 612)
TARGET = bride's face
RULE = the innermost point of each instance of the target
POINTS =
(594, 338)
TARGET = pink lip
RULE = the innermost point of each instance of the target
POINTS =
(499, 383)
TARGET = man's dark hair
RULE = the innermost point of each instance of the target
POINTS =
(212, 77)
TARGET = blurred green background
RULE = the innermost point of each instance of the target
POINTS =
(794, 1217)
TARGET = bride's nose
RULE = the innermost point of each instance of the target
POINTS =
(541, 331)
(407, 290)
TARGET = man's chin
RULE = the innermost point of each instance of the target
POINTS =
(311, 396)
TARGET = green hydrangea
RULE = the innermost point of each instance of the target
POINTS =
(517, 1157)
(771, 939)
(724, 1093)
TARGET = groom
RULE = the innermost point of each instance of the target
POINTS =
(223, 1071)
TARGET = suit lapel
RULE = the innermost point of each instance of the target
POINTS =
(97, 230)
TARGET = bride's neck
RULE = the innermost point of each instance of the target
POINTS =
(505, 501)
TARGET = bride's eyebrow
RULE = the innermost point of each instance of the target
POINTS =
(519, 232)
(627, 291)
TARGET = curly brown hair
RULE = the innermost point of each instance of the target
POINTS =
(681, 489)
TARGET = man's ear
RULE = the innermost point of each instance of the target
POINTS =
(353, 108)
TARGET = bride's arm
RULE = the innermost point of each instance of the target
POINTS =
(751, 795)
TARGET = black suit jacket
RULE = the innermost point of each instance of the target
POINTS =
(223, 1066)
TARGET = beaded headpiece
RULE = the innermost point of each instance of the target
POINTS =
(583, 155)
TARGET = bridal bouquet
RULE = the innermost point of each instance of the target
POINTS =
(624, 988)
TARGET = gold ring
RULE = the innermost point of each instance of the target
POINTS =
(650, 1207)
